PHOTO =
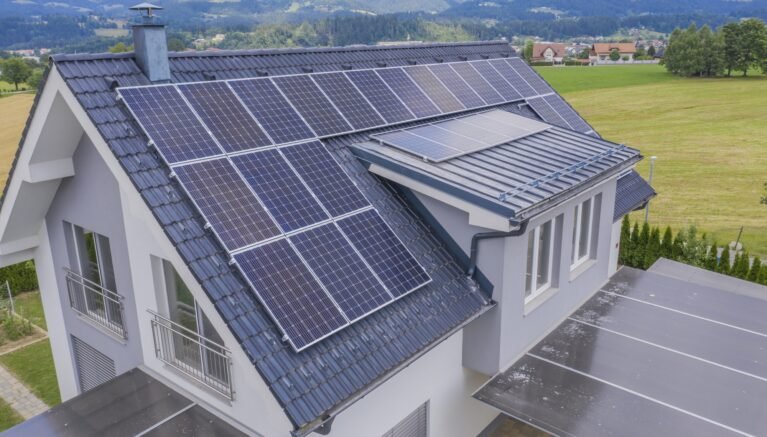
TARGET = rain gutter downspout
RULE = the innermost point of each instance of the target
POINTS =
(522, 227)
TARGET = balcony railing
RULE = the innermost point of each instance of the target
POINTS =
(96, 303)
(205, 361)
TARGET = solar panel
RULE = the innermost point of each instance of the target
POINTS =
(477, 83)
(567, 113)
(325, 177)
(457, 85)
(169, 123)
(419, 146)
(291, 294)
(224, 115)
(348, 100)
(486, 135)
(272, 110)
(546, 112)
(408, 92)
(380, 96)
(227, 203)
(440, 95)
(450, 138)
(312, 104)
(288, 200)
(495, 79)
(383, 251)
(341, 270)
(511, 75)
(539, 85)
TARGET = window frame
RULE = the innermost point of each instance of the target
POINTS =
(575, 260)
(531, 269)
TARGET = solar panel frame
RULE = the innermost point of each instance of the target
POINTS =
(170, 123)
(325, 177)
(291, 204)
(496, 80)
(546, 112)
(273, 111)
(422, 147)
(449, 138)
(457, 86)
(433, 87)
(347, 98)
(409, 92)
(315, 108)
(378, 93)
(531, 76)
(340, 268)
(293, 296)
(510, 74)
(384, 252)
(215, 101)
(567, 113)
(218, 195)
(478, 83)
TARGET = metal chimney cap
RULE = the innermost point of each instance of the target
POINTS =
(148, 7)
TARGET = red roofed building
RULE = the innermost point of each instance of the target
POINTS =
(548, 52)
(600, 52)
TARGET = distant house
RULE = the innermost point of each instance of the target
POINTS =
(600, 52)
(548, 52)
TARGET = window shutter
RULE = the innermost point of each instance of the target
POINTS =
(414, 425)
(93, 367)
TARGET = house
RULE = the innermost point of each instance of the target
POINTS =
(334, 241)
(600, 52)
(548, 52)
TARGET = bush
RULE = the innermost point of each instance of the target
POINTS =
(724, 261)
(753, 273)
(21, 277)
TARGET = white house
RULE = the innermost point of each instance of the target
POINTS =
(336, 241)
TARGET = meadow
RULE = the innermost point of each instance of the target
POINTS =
(710, 137)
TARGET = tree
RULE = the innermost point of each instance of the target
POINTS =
(741, 267)
(653, 248)
(712, 51)
(614, 55)
(763, 200)
(756, 267)
(631, 261)
(624, 253)
(677, 250)
(731, 39)
(15, 71)
(640, 52)
(711, 259)
(735, 264)
(651, 51)
(667, 244)
(584, 54)
(120, 47)
(176, 45)
(763, 274)
(724, 260)
(753, 45)
(528, 51)
(35, 78)
(641, 247)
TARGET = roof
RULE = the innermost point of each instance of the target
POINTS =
(607, 47)
(513, 178)
(632, 192)
(646, 355)
(133, 403)
(316, 382)
(539, 48)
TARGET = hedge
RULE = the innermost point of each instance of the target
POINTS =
(21, 277)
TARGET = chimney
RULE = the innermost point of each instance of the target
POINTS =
(150, 44)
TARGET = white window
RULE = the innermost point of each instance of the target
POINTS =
(583, 225)
(540, 260)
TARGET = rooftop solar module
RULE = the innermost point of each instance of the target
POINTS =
(227, 203)
(546, 112)
(170, 123)
(457, 85)
(472, 77)
(531, 77)
(494, 78)
(380, 96)
(567, 113)
(280, 189)
(223, 114)
(451, 138)
(291, 293)
(437, 92)
(312, 104)
(384, 252)
(513, 77)
(410, 93)
(278, 118)
(348, 100)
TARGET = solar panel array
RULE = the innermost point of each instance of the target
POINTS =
(443, 140)
(246, 152)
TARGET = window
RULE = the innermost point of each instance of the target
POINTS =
(583, 226)
(416, 424)
(540, 260)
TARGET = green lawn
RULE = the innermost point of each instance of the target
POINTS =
(8, 416)
(710, 136)
(33, 365)
(29, 305)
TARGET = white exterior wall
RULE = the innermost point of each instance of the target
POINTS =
(437, 377)
(615, 240)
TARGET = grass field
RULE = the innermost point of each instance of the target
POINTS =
(29, 305)
(33, 365)
(8, 416)
(14, 111)
(710, 137)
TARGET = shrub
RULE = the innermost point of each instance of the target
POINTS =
(652, 253)
(724, 261)
(753, 273)
(741, 266)
(625, 248)
(711, 262)
(21, 277)
(667, 244)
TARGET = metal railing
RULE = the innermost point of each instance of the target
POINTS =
(203, 360)
(96, 303)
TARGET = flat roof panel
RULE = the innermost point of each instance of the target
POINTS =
(195, 422)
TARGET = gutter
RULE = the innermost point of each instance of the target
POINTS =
(474, 254)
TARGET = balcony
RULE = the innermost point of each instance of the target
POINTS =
(205, 361)
(95, 303)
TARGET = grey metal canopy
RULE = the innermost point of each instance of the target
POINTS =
(132, 404)
(649, 354)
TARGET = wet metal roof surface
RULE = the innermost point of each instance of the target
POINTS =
(647, 355)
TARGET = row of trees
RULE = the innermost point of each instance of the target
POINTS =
(737, 46)
(18, 71)
(641, 246)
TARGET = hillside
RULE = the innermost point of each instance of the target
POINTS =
(709, 136)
